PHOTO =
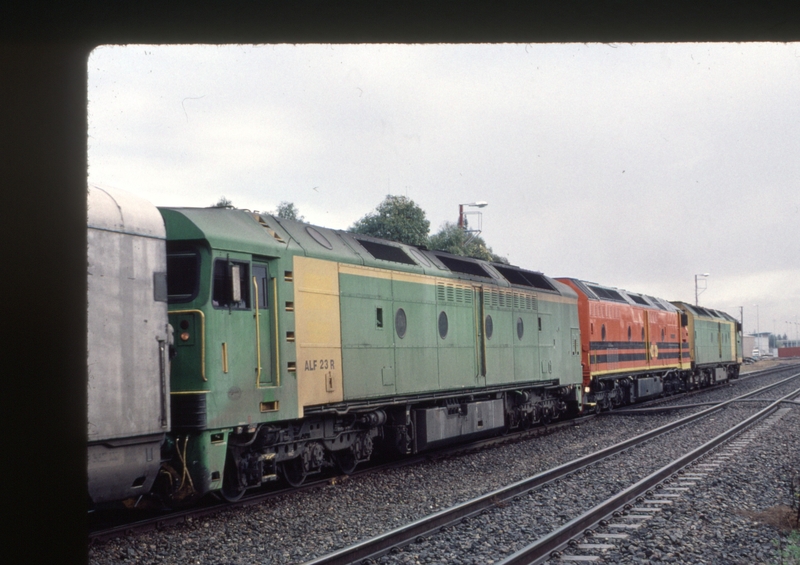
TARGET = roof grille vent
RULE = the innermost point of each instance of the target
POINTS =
(270, 231)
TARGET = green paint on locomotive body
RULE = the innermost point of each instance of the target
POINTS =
(715, 336)
(237, 366)
(229, 375)
(376, 360)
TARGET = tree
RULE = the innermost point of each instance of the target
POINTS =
(397, 218)
(455, 240)
(222, 203)
(288, 211)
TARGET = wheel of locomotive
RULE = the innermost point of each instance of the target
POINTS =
(345, 460)
(294, 471)
(231, 491)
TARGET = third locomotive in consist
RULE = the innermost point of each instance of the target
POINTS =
(298, 348)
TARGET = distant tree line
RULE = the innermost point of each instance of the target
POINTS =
(398, 218)
(286, 210)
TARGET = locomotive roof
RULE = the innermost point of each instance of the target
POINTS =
(594, 291)
(706, 312)
(262, 234)
(114, 210)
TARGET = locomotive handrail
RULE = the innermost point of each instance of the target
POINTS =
(277, 341)
(258, 334)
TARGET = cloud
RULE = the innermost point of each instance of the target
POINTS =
(639, 164)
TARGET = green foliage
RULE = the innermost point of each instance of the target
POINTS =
(397, 218)
(222, 203)
(789, 554)
(288, 211)
(457, 241)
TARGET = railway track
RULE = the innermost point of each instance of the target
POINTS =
(105, 526)
(435, 528)
(108, 524)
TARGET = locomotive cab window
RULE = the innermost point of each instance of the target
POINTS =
(231, 285)
(183, 273)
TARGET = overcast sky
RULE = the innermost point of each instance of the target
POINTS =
(634, 166)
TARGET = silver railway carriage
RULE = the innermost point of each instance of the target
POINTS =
(127, 344)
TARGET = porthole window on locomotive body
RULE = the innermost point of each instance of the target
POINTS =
(400, 323)
(520, 328)
(489, 327)
(442, 324)
(603, 332)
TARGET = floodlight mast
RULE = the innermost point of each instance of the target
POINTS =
(462, 224)
(698, 291)
(478, 204)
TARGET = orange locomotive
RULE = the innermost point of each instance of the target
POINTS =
(633, 346)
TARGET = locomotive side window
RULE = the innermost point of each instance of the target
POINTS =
(489, 327)
(603, 332)
(183, 274)
(443, 325)
(400, 323)
(520, 328)
(231, 285)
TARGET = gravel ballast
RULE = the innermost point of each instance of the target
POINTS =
(299, 526)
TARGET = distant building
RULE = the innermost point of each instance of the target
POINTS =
(789, 352)
(760, 345)
(748, 344)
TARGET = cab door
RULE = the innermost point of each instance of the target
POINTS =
(547, 345)
(263, 317)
